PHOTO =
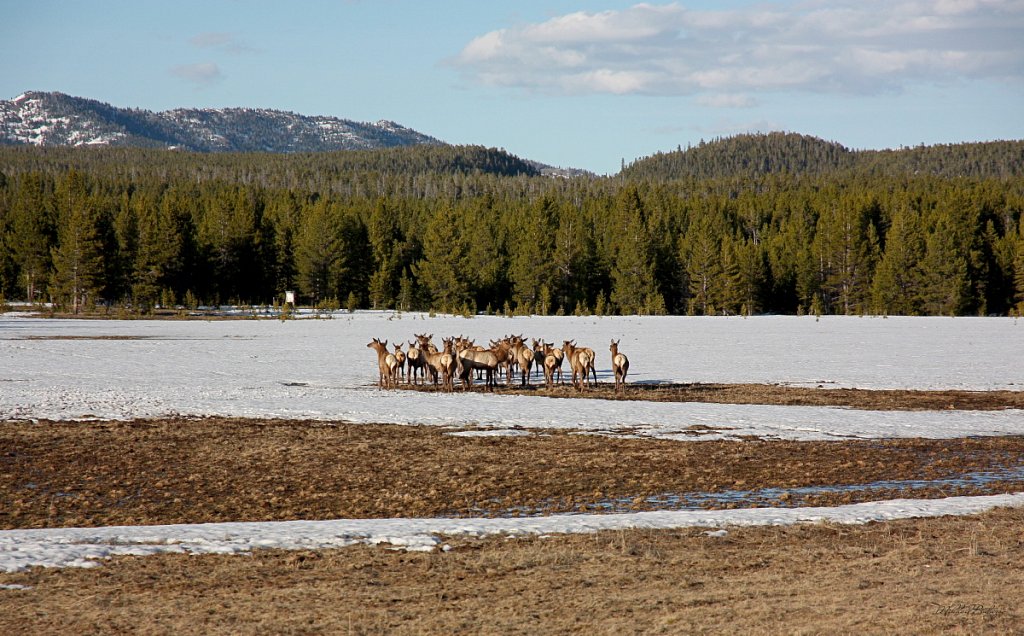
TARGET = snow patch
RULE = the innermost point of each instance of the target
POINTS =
(86, 547)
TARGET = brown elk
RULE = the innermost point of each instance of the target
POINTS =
(549, 365)
(506, 356)
(386, 364)
(424, 342)
(559, 356)
(448, 364)
(523, 357)
(470, 359)
(590, 367)
(579, 360)
(538, 354)
(620, 365)
(400, 357)
(416, 362)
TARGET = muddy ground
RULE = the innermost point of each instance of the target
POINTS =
(775, 394)
(952, 575)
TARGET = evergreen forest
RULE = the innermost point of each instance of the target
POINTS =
(755, 224)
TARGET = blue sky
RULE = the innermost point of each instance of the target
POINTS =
(580, 84)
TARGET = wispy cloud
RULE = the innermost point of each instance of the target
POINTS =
(846, 46)
(225, 42)
(202, 74)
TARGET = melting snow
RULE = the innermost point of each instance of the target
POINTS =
(321, 369)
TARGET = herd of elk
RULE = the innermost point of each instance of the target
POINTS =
(461, 358)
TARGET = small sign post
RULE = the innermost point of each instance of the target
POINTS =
(289, 305)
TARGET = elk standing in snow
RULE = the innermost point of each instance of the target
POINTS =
(559, 356)
(579, 360)
(550, 364)
(448, 364)
(524, 358)
(414, 358)
(400, 357)
(620, 365)
(470, 359)
(386, 364)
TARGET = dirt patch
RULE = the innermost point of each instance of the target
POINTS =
(775, 394)
(950, 576)
(207, 470)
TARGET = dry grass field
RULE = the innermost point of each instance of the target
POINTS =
(948, 575)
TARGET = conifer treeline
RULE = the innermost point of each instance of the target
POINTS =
(753, 155)
(469, 231)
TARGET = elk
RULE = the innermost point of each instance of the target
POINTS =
(538, 354)
(469, 359)
(620, 365)
(416, 363)
(386, 364)
(579, 360)
(551, 362)
(424, 342)
(590, 366)
(506, 356)
(432, 361)
(559, 356)
(400, 357)
(523, 357)
(448, 364)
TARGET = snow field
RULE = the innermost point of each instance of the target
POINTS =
(322, 369)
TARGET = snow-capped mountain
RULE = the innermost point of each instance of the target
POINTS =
(56, 119)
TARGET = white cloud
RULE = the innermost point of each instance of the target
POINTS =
(849, 46)
(226, 42)
(201, 74)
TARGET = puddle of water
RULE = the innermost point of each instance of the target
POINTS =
(779, 497)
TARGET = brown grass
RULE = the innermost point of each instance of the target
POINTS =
(951, 575)
(186, 471)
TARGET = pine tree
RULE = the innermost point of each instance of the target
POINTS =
(442, 271)
(896, 285)
(318, 253)
(1018, 273)
(634, 286)
(701, 250)
(744, 272)
(156, 258)
(945, 284)
(572, 258)
(845, 249)
(530, 245)
(384, 237)
(32, 232)
(78, 257)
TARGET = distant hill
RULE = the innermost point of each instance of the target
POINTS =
(56, 119)
(788, 153)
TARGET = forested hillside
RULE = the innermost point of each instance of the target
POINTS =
(470, 229)
(55, 119)
(788, 153)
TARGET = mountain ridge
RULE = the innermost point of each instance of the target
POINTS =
(55, 119)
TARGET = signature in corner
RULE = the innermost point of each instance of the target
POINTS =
(966, 609)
